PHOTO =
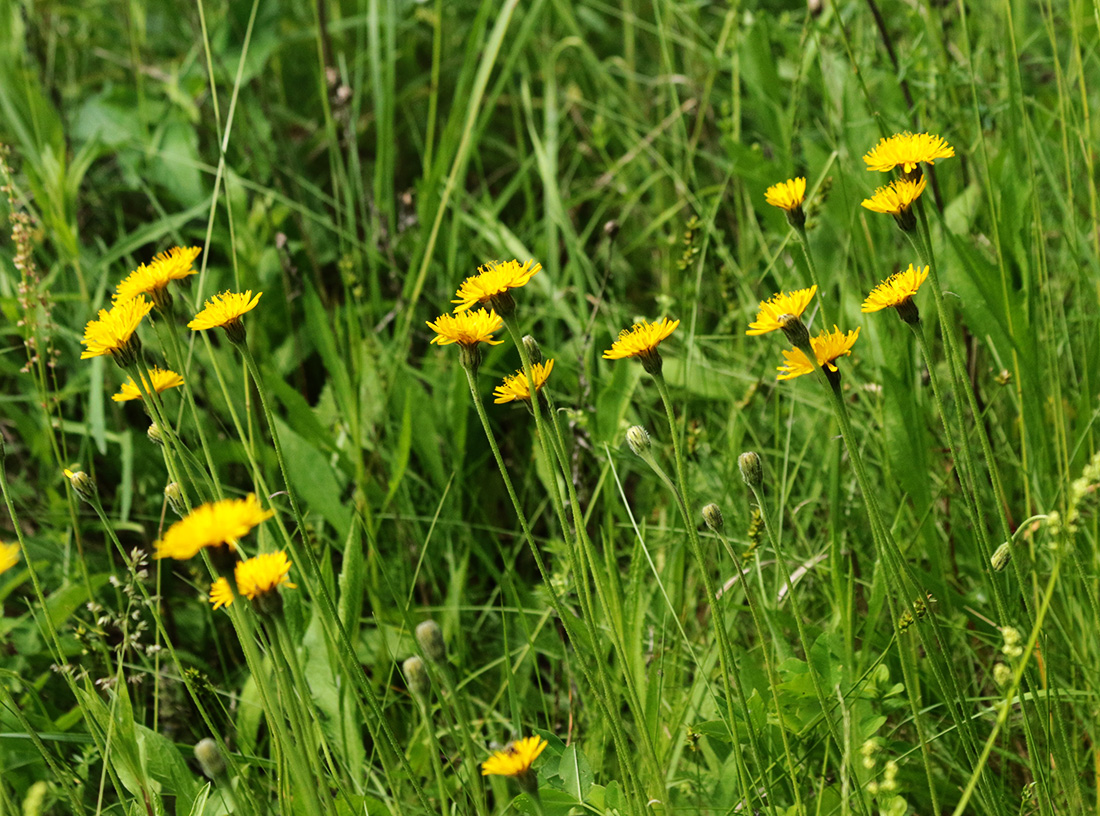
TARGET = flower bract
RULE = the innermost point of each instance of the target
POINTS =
(896, 197)
(9, 556)
(212, 525)
(787, 195)
(515, 759)
(827, 346)
(779, 308)
(907, 150)
(467, 328)
(895, 290)
(641, 339)
(159, 380)
(492, 280)
(151, 278)
(516, 387)
(112, 331)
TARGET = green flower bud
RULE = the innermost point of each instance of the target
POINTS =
(416, 676)
(155, 435)
(712, 515)
(174, 493)
(638, 439)
(1001, 557)
(83, 485)
(210, 758)
(430, 638)
(751, 471)
(533, 350)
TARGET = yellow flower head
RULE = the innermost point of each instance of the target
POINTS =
(787, 195)
(159, 379)
(152, 279)
(828, 346)
(263, 574)
(782, 306)
(9, 556)
(221, 594)
(515, 759)
(907, 150)
(225, 311)
(492, 282)
(515, 387)
(212, 525)
(641, 339)
(895, 290)
(112, 332)
(467, 328)
(896, 197)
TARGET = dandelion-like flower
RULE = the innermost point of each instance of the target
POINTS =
(159, 380)
(214, 524)
(225, 311)
(641, 341)
(516, 387)
(783, 312)
(9, 556)
(256, 578)
(152, 279)
(491, 284)
(896, 198)
(897, 292)
(221, 594)
(468, 329)
(827, 346)
(515, 759)
(788, 196)
(907, 150)
(113, 332)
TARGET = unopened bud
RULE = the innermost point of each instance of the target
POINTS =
(83, 485)
(154, 434)
(174, 493)
(416, 676)
(533, 350)
(751, 471)
(430, 638)
(210, 758)
(712, 515)
(1001, 557)
(638, 439)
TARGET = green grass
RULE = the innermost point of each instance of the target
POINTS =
(355, 162)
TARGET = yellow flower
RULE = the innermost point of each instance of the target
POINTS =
(161, 381)
(896, 197)
(895, 290)
(212, 525)
(225, 311)
(641, 339)
(112, 332)
(782, 306)
(152, 280)
(908, 150)
(828, 346)
(467, 328)
(9, 556)
(787, 195)
(516, 388)
(263, 574)
(515, 759)
(491, 284)
(221, 594)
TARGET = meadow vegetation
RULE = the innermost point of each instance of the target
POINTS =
(550, 407)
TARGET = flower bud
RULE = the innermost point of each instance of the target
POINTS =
(416, 676)
(712, 515)
(83, 485)
(638, 439)
(174, 493)
(1001, 557)
(533, 350)
(751, 470)
(430, 638)
(611, 228)
(210, 758)
(155, 435)
(796, 333)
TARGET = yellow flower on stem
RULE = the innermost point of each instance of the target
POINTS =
(152, 279)
(468, 329)
(263, 574)
(9, 556)
(516, 387)
(783, 312)
(907, 150)
(225, 311)
(896, 197)
(214, 524)
(897, 292)
(221, 594)
(641, 341)
(827, 346)
(113, 332)
(491, 284)
(787, 195)
(160, 380)
(515, 759)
